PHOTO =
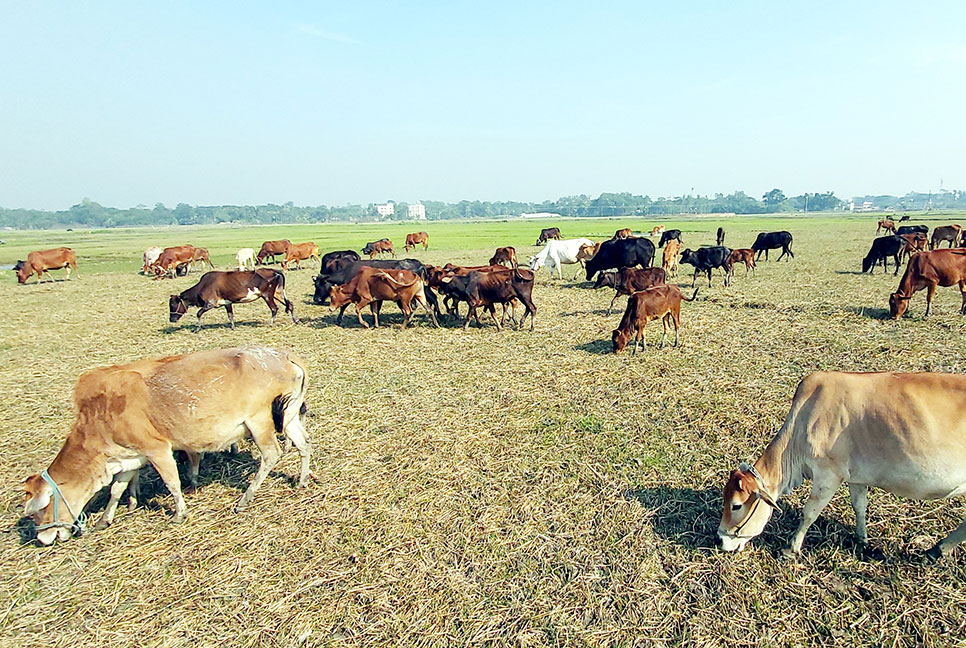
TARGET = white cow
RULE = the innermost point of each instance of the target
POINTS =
(557, 253)
(150, 256)
(901, 432)
(245, 257)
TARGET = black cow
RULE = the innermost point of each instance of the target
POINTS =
(912, 229)
(668, 235)
(721, 235)
(622, 253)
(883, 247)
(772, 241)
(333, 261)
(706, 259)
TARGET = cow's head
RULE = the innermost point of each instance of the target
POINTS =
(339, 296)
(867, 263)
(322, 286)
(23, 271)
(176, 308)
(535, 262)
(620, 338)
(898, 304)
(38, 506)
(747, 509)
(689, 257)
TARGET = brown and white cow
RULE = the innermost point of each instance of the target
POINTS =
(927, 270)
(149, 257)
(840, 428)
(140, 413)
(299, 252)
(221, 288)
(41, 261)
(417, 238)
(171, 259)
(657, 230)
(371, 286)
(272, 249)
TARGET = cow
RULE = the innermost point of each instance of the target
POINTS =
(658, 229)
(625, 253)
(916, 242)
(417, 238)
(949, 233)
(375, 247)
(221, 288)
(150, 255)
(335, 261)
(928, 270)
(631, 280)
(886, 224)
(721, 235)
(41, 261)
(451, 299)
(706, 259)
(771, 241)
(622, 233)
(746, 256)
(299, 252)
(139, 413)
(660, 302)
(587, 252)
(841, 428)
(505, 255)
(272, 249)
(200, 254)
(607, 279)
(496, 287)
(171, 259)
(548, 233)
(883, 248)
(324, 281)
(670, 260)
(557, 253)
(245, 257)
(670, 235)
(371, 286)
(912, 229)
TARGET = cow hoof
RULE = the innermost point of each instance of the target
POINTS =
(178, 518)
(240, 507)
(869, 552)
(102, 524)
(790, 554)
(934, 554)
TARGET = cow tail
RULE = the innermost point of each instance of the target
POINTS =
(693, 297)
(289, 307)
(285, 407)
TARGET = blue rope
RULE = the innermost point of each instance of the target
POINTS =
(78, 520)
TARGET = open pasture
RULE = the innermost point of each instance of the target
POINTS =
(481, 488)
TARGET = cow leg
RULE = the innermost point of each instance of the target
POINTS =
(338, 320)
(471, 313)
(272, 306)
(429, 312)
(120, 485)
(962, 290)
(611, 307)
(262, 430)
(134, 491)
(664, 324)
(896, 259)
(406, 308)
(944, 546)
(201, 311)
(930, 291)
(163, 461)
(824, 485)
(677, 324)
(359, 315)
(492, 311)
(709, 277)
(859, 494)
(694, 278)
(194, 466)
(231, 316)
(374, 308)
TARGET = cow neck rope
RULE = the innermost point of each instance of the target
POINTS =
(748, 468)
(78, 520)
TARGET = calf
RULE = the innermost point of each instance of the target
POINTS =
(882, 248)
(300, 252)
(451, 298)
(172, 259)
(928, 270)
(772, 241)
(631, 280)
(706, 259)
(219, 288)
(746, 256)
(504, 255)
(660, 302)
(658, 229)
(496, 287)
(150, 255)
(548, 233)
(886, 224)
(606, 279)
(375, 247)
(272, 249)
(916, 242)
(670, 235)
(244, 258)
(200, 254)
(42, 261)
(371, 286)
(418, 238)
(949, 233)
(670, 260)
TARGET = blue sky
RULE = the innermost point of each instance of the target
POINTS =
(329, 103)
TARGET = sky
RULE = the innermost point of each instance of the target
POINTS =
(140, 102)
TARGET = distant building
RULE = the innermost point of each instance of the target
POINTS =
(541, 215)
(386, 210)
(867, 206)
(417, 211)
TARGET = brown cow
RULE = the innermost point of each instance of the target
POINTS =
(41, 261)
(451, 301)
(660, 302)
(622, 233)
(670, 264)
(272, 249)
(201, 254)
(219, 288)
(950, 233)
(631, 280)
(746, 256)
(915, 242)
(504, 255)
(173, 258)
(412, 240)
(928, 270)
(495, 287)
(300, 252)
(371, 286)
(588, 252)
(548, 233)
(375, 247)
(887, 225)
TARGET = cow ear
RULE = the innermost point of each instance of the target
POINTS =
(38, 494)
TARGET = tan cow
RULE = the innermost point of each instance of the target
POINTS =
(417, 238)
(671, 250)
(139, 413)
(658, 230)
(840, 428)
(43, 260)
(299, 252)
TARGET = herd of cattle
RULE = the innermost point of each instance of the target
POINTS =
(129, 416)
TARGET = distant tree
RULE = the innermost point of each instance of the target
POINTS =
(773, 198)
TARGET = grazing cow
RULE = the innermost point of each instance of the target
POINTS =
(139, 413)
(670, 260)
(771, 241)
(928, 270)
(173, 259)
(670, 235)
(840, 427)
(587, 252)
(631, 280)
(950, 233)
(200, 254)
(622, 233)
(41, 261)
(660, 302)
(335, 261)
(504, 255)
(607, 279)
(746, 256)
(451, 299)
(625, 253)
(412, 240)
(557, 253)
(548, 233)
(721, 235)
(371, 286)
(272, 249)
(886, 224)
(375, 247)
(912, 229)
(495, 287)
(658, 229)
(245, 257)
(149, 257)
(883, 248)
(916, 242)
(706, 259)
(220, 288)
(300, 252)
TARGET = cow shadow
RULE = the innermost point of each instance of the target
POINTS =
(872, 313)
(850, 272)
(617, 310)
(596, 347)
(192, 328)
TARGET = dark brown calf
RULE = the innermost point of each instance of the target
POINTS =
(219, 288)
(43, 260)
(746, 256)
(631, 280)
(495, 287)
(660, 302)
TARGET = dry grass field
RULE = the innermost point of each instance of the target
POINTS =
(481, 488)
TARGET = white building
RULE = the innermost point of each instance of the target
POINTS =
(417, 211)
(386, 210)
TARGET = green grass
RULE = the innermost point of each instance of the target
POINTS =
(481, 487)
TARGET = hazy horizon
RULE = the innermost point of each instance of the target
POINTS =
(328, 104)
